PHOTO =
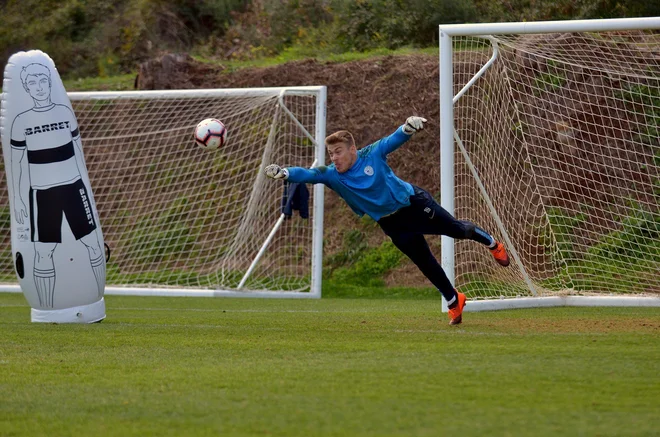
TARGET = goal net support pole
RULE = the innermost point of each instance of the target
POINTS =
(463, 43)
(280, 220)
(482, 189)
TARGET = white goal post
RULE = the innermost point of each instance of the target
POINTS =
(183, 221)
(550, 139)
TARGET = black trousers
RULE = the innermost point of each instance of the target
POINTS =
(407, 227)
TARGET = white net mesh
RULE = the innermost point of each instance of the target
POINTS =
(175, 215)
(564, 132)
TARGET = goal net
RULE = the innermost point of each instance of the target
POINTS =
(557, 152)
(178, 218)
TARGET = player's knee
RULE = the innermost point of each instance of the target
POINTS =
(465, 228)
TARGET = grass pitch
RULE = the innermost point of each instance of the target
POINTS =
(329, 367)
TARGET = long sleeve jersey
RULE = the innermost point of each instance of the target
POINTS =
(369, 186)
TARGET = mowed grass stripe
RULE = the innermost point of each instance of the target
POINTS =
(158, 366)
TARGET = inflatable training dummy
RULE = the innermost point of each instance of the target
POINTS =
(56, 238)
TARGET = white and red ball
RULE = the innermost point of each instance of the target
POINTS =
(210, 134)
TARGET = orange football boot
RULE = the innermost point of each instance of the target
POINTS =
(499, 253)
(456, 313)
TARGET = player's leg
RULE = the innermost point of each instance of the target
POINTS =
(415, 247)
(44, 273)
(46, 234)
(79, 214)
(438, 221)
(96, 255)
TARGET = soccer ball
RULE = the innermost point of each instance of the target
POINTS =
(210, 134)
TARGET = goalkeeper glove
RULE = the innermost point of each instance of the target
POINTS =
(413, 125)
(274, 171)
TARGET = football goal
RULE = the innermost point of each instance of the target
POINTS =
(550, 137)
(181, 220)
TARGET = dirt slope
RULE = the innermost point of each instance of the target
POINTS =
(370, 98)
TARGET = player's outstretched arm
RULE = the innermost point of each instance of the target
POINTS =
(392, 142)
(413, 125)
(315, 175)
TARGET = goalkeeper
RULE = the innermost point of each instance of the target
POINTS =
(404, 212)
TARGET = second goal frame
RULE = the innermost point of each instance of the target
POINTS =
(449, 140)
(182, 221)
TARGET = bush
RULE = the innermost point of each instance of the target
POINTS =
(630, 253)
(367, 24)
(638, 239)
(64, 30)
(369, 269)
(525, 10)
(104, 37)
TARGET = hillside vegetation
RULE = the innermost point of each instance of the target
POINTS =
(106, 38)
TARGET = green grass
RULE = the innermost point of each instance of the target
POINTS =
(124, 82)
(298, 54)
(329, 367)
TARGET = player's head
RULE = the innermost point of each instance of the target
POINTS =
(36, 81)
(342, 150)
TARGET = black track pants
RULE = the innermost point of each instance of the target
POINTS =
(407, 227)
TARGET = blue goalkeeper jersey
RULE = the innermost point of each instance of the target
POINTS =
(369, 186)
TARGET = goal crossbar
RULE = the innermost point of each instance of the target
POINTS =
(605, 25)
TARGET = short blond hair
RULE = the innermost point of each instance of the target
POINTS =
(342, 136)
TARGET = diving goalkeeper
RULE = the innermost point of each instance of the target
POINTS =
(404, 211)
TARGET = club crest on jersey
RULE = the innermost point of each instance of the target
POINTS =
(369, 170)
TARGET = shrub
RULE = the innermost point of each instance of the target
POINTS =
(369, 269)
(366, 24)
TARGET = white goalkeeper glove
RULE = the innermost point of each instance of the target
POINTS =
(274, 171)
(413, 125)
